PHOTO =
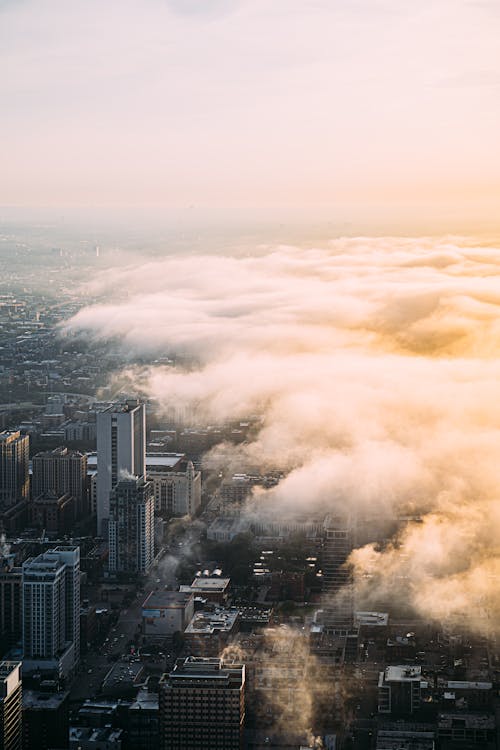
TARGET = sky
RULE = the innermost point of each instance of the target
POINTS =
(352, 108)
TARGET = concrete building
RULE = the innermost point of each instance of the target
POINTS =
(51, 611)
(202, 705)
(11, 718)
(45, 720)
(166, 612)
(14, 468)
(53, 513)
(338, 596)
(212, 588)
(400, 690)
(131, 526)
(210, 631)
(176, 484)
(61, 472)
(121, 450)
(10, 602)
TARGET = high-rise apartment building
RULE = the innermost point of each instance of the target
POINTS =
(338, 595)
(10, 601)
(202, 705)
(61, 472)
(11, 706)
(51, 611)
(131, 526)
(14, 468)
(121, 451)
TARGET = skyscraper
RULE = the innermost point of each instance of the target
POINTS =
(131, 526)
(14, 468)
(61, 471)
(338, 595)
(202, 705)
(11, 706)
(51, 611)
(121, 450)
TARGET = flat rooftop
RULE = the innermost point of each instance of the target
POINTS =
(210, 584)
(208, 623)
(167, 599)
(35, 699)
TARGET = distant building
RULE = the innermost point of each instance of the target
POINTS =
(131, 526)
(121, 451)
(176, 484)
(202, 705)
(45, 720)
(10, 706)
(53, 513)
(14, 468)
(61, 472)
(166, 612)
(51, 611)
(338, 596)
(225, 529)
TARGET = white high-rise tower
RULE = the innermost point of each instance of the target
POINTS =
(121, 451)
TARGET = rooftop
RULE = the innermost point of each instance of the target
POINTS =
(166, 599)
(208, 623)
(43, 701)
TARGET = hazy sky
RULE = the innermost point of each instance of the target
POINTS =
(309, 104)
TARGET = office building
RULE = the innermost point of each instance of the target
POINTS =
(45, 720)
(10, 602)
(14, 468)
(202, 705)
(131, 526)
(11, 718)
(176, 484)
(338, 595)
(51, 611)
(60, 472)
(121, 451)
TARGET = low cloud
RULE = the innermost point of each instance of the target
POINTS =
(374, 364)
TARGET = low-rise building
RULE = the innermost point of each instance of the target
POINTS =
(166, 612)
(209, 632)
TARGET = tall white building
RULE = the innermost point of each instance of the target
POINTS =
(121, 451)
(131, 526)
(51, 611)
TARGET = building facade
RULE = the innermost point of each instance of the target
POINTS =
(51, 611)
(338, 595)
(61, 472)
(14, 468)
(177, 487)
(202, 705)
(11, 717)
(121, 450)
(131, 526)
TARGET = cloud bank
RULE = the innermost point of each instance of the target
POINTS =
(374, 364)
